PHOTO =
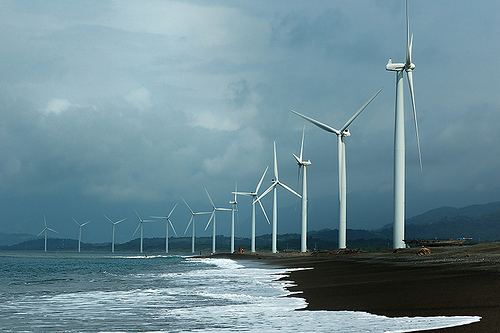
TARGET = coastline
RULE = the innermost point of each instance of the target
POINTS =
(457, 281)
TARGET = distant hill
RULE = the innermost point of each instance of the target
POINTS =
(11, 239)
(481, 222)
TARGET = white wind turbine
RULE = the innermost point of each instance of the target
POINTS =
(168, 224)
(192, 222)
(303, 164)
(113, 225)
(254, 196)
(44, 231)
(274, 185)
(341, 133)
(234, 208)
(212, 218)
(140, 226)
(399, 136)
(80, 226)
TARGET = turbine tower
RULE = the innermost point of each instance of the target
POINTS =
(168, 224)
(113, 225)
(44, 231)
(273, 187)
(192, 222)
(140, 226)
(399, 136)
(342, 133)
(80, 226)
(212, 217)
(303, 164)
(234, 208)
(254, 196)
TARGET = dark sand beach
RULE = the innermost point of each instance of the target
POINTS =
(450, 281)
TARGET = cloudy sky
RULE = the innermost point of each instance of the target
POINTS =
(110, 106)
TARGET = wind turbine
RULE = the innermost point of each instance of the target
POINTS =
(80, 226)
(341, 133)
(303, 164)
(140, 226)
(234, 208)
(44, 231)
(113, 225)
(254, 196)
(192, 222)
(212, 217)
(168, 223)
(274, 185)
(399, 136)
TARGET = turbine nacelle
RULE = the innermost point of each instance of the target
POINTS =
(346, 133)
(395, 66)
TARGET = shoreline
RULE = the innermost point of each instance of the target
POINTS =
(455, 281)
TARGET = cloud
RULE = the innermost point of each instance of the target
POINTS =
(57, 106)
(214, 121)
(139, 98)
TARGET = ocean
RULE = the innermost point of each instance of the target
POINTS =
(61, 292)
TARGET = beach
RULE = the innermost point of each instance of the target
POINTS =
(454, 281)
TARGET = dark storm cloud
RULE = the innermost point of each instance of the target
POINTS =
(110, 106)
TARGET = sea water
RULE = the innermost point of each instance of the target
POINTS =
(96, 293)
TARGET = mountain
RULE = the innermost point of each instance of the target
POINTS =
(11, 239)
(480, 222)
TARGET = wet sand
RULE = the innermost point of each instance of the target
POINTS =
(450, 281)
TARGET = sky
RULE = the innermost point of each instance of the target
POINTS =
(111, 106)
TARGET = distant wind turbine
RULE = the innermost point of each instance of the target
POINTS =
(168, 224)
(274, 185)
(341, 133)
(80, 226)
(44, 231)
(113, 225)
(254, 196)
(212, 218)
(399, 136)
(303, 164)
(234, 209)
(140, 226)
(192, 222)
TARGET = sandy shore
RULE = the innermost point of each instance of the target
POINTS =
(449, 281)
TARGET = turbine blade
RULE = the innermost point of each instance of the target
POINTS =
(136, 229)
(202, 213)
(175, 233)
(261, 180)
(44, 221)
(107, 218)
(137, 214)
(210, 219)
(286, 187)
(243, 193)
(75, 221)
(297, 158)
(354, 116)
(52, 230)
(412, 95)
(120, 221)
(269, 189)
(173, 208)
(318, 123)
(84, 224)
(41, 233)
(302, 143)
(223, 209)
(264, 211)
(158, 217)
(209, 197)
(275, 162)
(190, 221)
(408, 57)
(185, 202)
